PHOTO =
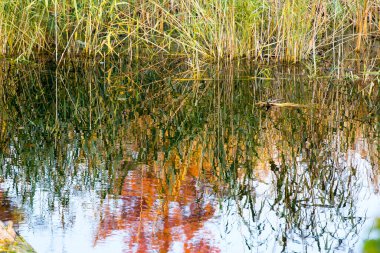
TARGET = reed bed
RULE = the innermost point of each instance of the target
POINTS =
(198, 30)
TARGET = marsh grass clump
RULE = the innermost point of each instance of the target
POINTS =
(281, 30)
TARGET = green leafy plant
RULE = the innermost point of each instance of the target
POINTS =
(373, 245)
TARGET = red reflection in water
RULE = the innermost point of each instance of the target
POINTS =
(155, 219)
(8, 211)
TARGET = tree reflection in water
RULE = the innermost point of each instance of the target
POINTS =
(195, 164)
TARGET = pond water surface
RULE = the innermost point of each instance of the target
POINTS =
(119, 159)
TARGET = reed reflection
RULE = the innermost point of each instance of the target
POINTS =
(170, 155)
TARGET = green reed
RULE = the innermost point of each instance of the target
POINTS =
(283, 30)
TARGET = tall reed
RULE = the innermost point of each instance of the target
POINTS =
(282, 30)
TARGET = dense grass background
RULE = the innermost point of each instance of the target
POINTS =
(283, 30)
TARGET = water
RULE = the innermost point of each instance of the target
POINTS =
(115, 158)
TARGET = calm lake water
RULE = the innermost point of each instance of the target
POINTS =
(115, 158)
